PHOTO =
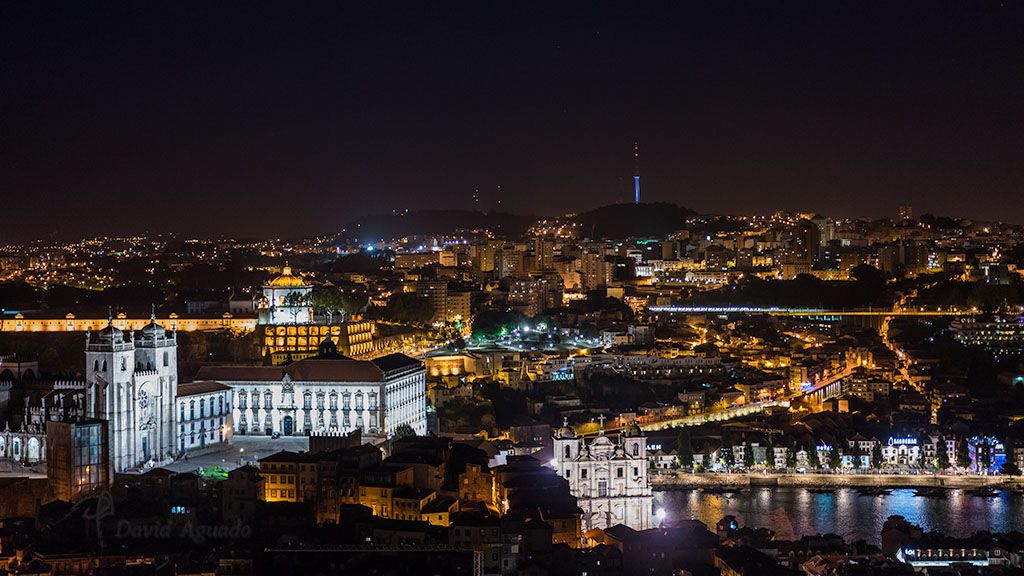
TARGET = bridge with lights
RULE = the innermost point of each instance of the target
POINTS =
(823, 313)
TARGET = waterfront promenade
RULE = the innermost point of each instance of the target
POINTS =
(669, 480)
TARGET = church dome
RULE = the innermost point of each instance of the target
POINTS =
(632, 431)
(110, 335)
(565, 432)
(287, 279)
(153, 330)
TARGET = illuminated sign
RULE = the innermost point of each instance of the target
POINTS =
(902, 441)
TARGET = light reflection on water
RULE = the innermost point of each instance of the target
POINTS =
(792, 512)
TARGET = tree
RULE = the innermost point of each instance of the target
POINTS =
(876, 456)
(941, 454)
(791, 460)
(293, 300)
(856, 454)
(834, 458)
(963, 455)
(684, 448)
(748, 456)
(728, 457)
(409, 308)
(328, 300)
(403, 431)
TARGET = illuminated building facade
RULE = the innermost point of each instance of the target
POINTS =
(132, 383)
(287, 342)
(609, 480)
(286, 300)
(326, 393)
(78, 458)
(204, 415)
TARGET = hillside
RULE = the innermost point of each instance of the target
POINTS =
(624, 220)
(376, 227)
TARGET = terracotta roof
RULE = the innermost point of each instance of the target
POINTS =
(241, 373)
(201, 387)
(396, 361)
(318, 370)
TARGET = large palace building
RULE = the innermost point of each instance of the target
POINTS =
(327, 393)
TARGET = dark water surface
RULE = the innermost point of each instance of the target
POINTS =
(793, 512)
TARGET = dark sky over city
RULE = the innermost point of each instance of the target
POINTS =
(244, 119)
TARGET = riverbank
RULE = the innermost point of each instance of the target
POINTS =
(668, 480)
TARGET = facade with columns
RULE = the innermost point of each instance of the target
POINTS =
(328, 393)
(609, 478)
(132, 382)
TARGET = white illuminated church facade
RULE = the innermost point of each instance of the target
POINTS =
(608, 478)
(132, 382)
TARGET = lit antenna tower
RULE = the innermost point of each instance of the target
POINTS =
(636, 172)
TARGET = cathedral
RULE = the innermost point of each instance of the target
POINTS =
(608, 478)
(132, 382)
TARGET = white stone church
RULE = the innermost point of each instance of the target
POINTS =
(608, 478)
(132, 382)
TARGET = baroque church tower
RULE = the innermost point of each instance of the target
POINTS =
(132, 382)
(608, 478)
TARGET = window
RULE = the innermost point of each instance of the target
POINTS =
(583, 473)
(166, 357)
(202, 408)
(182, 416)
(618, 472)
(636, 449)
(307, 401)
(192, 409)
(568, 451)
(334, 401)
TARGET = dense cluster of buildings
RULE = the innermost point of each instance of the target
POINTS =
(514, 403)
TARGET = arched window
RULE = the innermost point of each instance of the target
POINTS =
(124, 364)
(268, 400)
(182, 418)
(192, 409)
(104, 365)
(307, 400)
(636, 449)
(220, 405)
(202, 408)
(96, 366)
(568, 451)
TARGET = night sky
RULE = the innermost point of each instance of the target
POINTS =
(238, 119)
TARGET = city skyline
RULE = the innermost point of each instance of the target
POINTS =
(295, 124)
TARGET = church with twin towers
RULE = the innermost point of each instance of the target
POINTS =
(132, 383)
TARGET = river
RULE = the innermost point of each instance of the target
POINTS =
(793, 512)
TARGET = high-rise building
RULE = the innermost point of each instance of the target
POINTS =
(906, 212)
(77, 458)
(594, 271)
(543, 254)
